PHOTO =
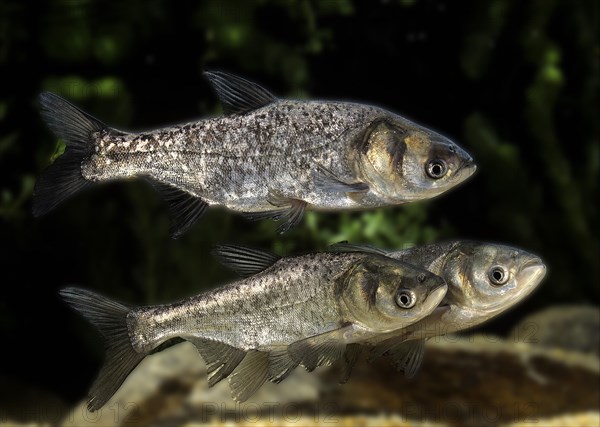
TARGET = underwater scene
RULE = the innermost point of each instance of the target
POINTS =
(298, 212)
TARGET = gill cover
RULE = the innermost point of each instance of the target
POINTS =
(384, 294)
(381, 153)
(403, 161)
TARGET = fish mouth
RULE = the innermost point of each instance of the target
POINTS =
(441, 309)
(532, 261)
(437, 294)
(532, 271)
(467, 168)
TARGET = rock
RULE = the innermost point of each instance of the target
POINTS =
(479, 381)
(24, 403)
(475, 381)
(574, 328)
(583, 419)
(170, 388)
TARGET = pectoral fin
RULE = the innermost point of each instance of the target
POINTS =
(350, 357)
(249, 375)
(243, 260)
(290, 211)
(221, 359)
(328, 182)
(320, 350)
(408, 356)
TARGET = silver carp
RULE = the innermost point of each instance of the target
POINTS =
(484, 280)
(265, 158)
(302, 310)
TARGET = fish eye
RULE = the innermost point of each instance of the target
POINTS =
(405, 298)
(498, 275)
(436, 169)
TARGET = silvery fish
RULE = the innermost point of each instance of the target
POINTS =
(484, 280)
(266, 157)
(300, 310)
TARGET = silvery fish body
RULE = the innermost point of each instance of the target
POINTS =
(266, 157)
(484, 280)
(296, 311)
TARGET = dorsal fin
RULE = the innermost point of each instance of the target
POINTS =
(244, 261)
(238, 95)
(350, 247)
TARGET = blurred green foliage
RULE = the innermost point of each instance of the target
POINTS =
(515, 83)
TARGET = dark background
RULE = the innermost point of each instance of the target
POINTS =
(515, 83)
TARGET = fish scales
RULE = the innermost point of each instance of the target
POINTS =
(266, 157)
(257, 312)
(483, 279)
(295, 311)
(235, 161)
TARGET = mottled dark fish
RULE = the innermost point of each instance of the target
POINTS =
(267, 157)
(300, 310)
(484, 280)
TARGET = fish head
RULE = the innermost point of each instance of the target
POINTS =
(403, 162)
(486, 279)
(384, 294)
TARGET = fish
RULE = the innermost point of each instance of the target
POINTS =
(301, 310)
(265, 157)
(484, 280)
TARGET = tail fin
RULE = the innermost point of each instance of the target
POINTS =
(110, 318)
(63, 178)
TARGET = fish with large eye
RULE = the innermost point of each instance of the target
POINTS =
(404, 162)
(484, 280)
(286, 312)
(265, 158)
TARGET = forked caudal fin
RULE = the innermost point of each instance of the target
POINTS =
(63, 178)
(110, 318)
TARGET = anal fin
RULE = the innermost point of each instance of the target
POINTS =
(221, 359)
(185, 208)
(249, 375)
